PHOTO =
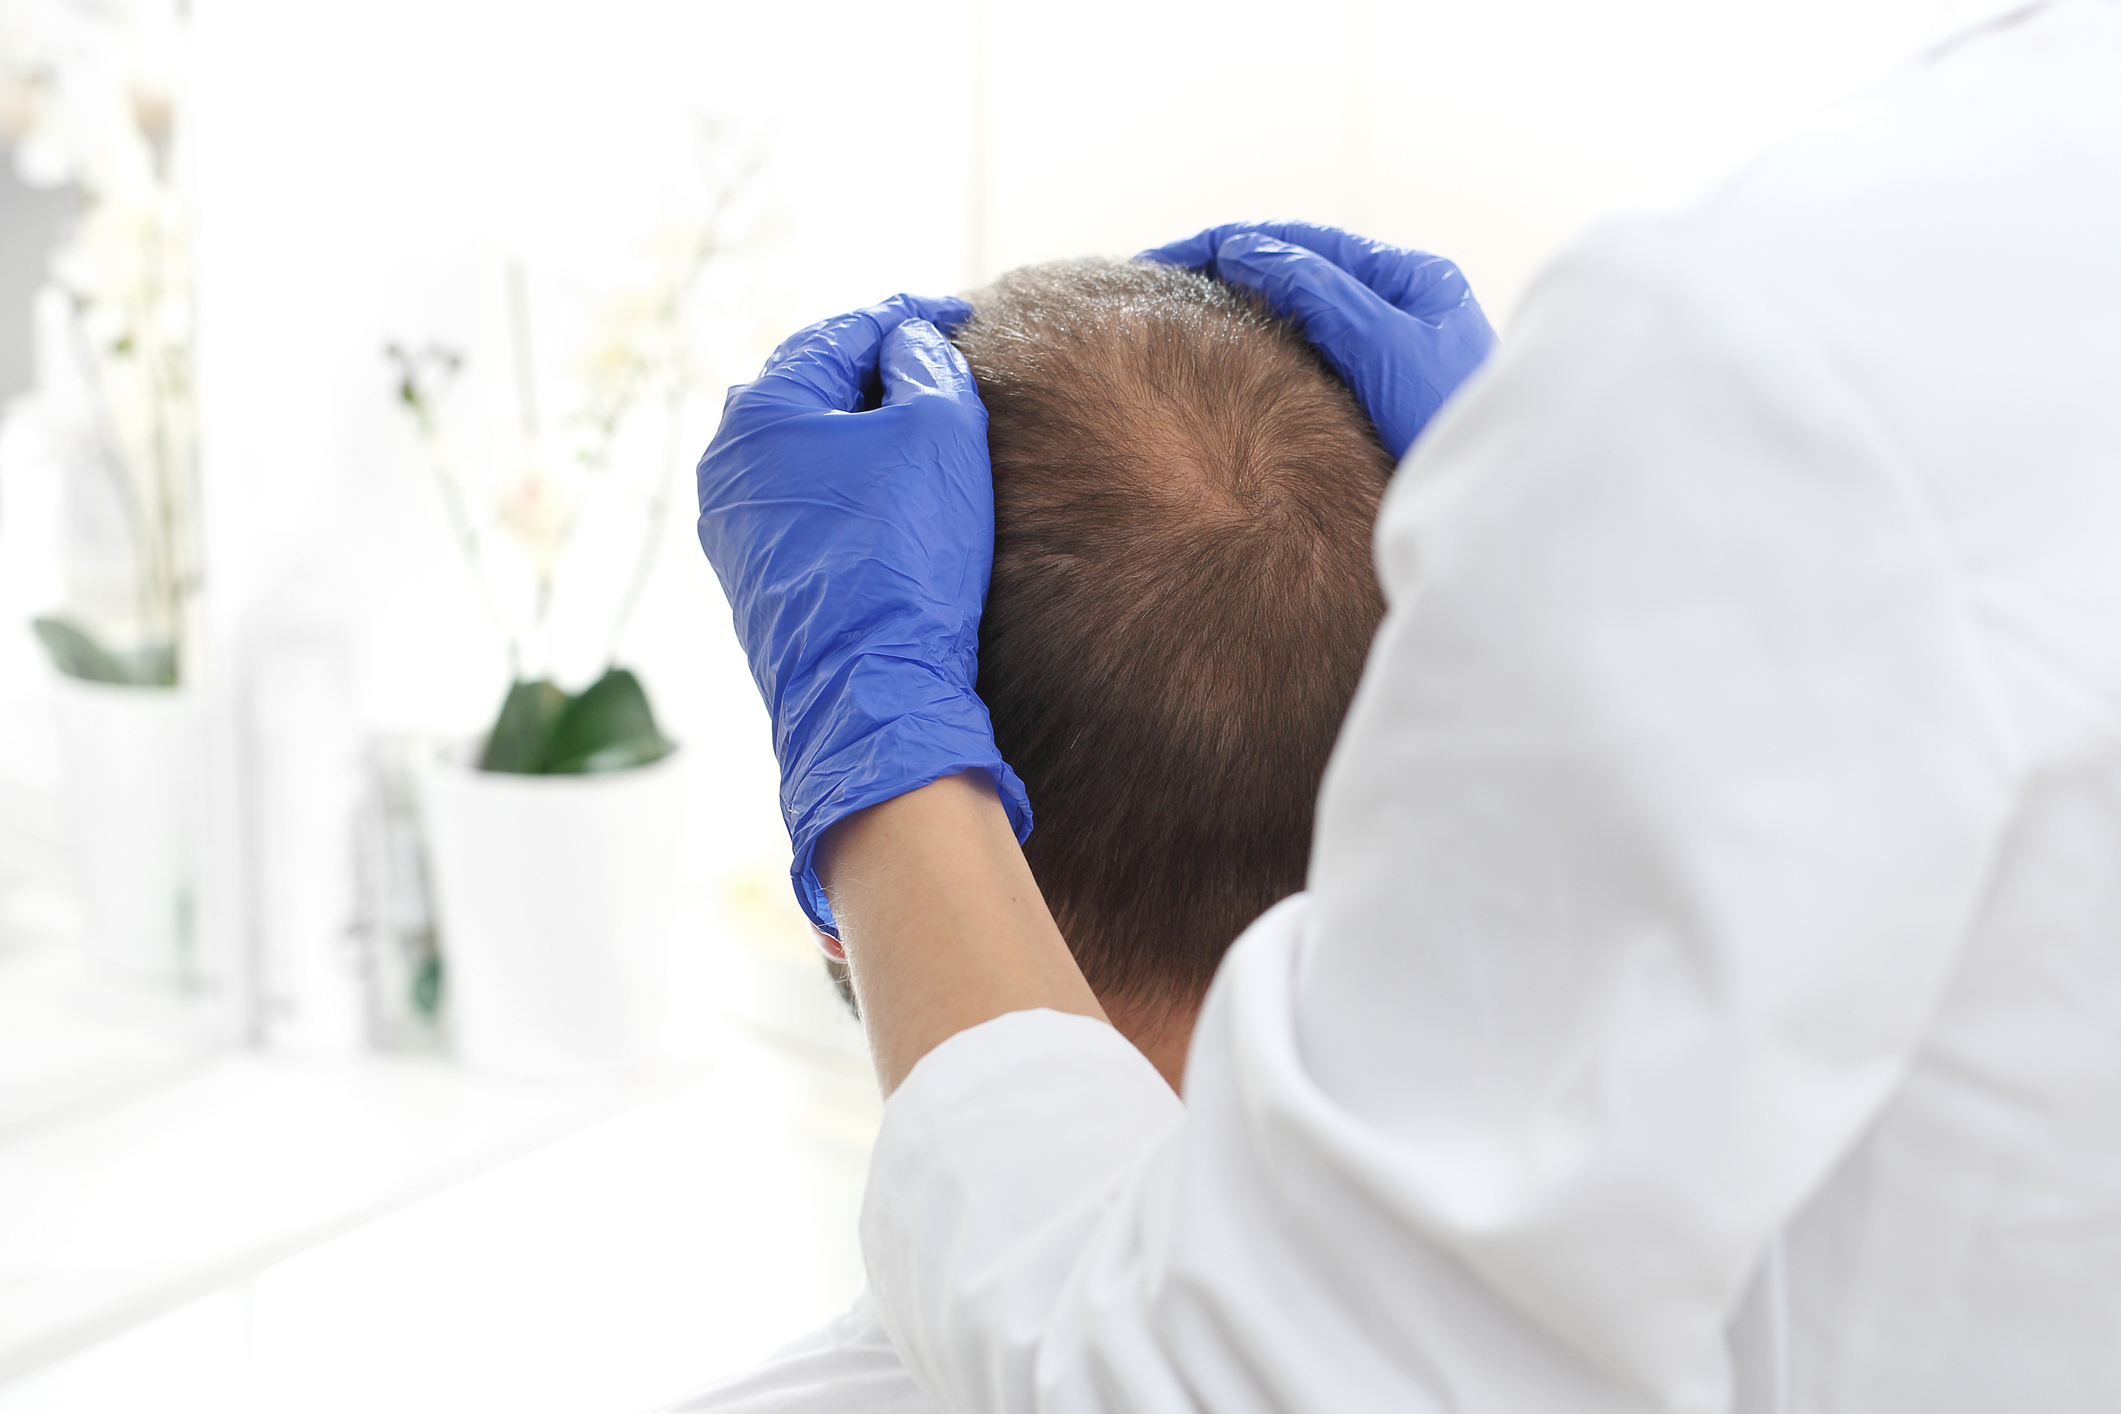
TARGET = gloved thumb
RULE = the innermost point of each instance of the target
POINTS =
(918, 361)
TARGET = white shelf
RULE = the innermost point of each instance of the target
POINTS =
(210, 1230)
(614, 1269)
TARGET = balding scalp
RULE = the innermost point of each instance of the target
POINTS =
(1182, 601)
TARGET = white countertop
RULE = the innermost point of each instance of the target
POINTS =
(182, 1229)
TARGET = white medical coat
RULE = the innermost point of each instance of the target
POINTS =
(1709, 984)
(848, 1366)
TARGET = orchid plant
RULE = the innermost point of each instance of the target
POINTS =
(88, 97)
(520, 527)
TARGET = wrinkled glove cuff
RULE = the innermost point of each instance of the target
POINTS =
(879, 762)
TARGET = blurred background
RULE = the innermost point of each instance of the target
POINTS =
(363, 1043)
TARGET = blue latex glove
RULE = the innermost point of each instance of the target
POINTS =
(855, 547)
(1400, 327)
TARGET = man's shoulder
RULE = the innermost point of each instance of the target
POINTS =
(846, 1367)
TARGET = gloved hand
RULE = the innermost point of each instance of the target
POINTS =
(855, 547)
(1400, 327)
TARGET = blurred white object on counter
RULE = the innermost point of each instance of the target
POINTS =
(306, 781)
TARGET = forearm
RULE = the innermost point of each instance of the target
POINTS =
(943, 924)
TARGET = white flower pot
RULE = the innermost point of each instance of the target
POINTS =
(130, 756)
(556, 897)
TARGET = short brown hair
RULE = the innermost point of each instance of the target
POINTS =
(1183, 598)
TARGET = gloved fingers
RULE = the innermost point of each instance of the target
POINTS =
(1426, 286)
(947, 311)
(1197, 252)
(917, 361)
(826, 365)
(1335, 310)
(1412, 281)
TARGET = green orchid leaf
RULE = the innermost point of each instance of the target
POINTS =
(76, 653)
(609, 727)
(521, 739)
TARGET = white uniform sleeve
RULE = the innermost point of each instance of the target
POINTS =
(848, 1367)
(1666, 798)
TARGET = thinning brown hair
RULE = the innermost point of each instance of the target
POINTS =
(1183, 598)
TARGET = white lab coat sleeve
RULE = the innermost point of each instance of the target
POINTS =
(1666, 799)
(847, 1367)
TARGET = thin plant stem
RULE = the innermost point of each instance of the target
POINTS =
(519, 339)
(169, 463)
(603, 421)
(463, 526)
(651, 533)
(113, 460)
(540, 644)
(703, 252)
(472, 547)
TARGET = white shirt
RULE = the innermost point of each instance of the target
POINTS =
(848, 1367)
(1709, 987)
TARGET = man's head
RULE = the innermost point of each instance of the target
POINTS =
(1182, 601)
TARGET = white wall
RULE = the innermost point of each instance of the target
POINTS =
(1486, 131)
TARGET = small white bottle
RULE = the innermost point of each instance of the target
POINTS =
(305, 778)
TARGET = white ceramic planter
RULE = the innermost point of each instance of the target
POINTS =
(130, 757)
(556, 896)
